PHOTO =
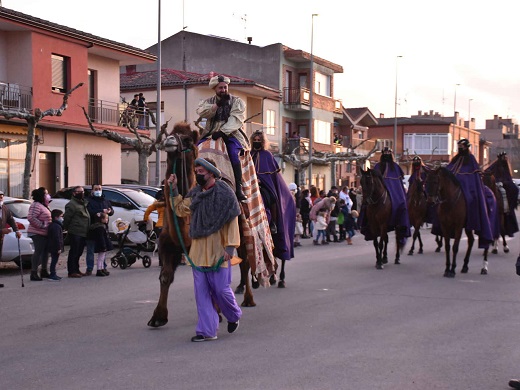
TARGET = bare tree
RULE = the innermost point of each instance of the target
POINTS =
(141, 143)
(32, 120)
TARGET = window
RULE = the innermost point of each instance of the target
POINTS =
(302, 80)
(427, 143)
(270, 117)
(93, 169)
(60, 75)
(382, 143)
(322, 132)
(12, 160)
(321, 84)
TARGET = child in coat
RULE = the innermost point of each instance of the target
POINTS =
(350, 225)
(102, 244)
(321, 227)
(55, 241)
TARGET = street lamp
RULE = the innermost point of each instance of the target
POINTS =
(469, 113)
(311, 89)
(395, 108)
(455, 101)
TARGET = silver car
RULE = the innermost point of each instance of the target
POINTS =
(10, 249)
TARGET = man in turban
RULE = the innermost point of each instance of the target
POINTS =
(225, 116)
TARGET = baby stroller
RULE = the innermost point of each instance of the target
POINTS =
(128, 255)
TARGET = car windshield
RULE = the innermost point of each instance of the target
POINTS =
(140, 198)
(19, 208)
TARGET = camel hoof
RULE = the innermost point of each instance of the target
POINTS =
(239, 290)
(506, 249)
(248, 304)
(410, 253)
(483, 271)
(384, 260)
(255, 284)
(272, 280)
(451, 274)
(446, 274)
(379, 266)
(437, 250)
(281, 284)
(494, 251)
(156, 323)
(397, 261)
(464, 270)
(421, 251)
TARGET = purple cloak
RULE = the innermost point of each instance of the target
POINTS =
(467, 172)
(267, 171)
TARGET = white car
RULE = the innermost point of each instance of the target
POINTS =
(128, 204)
(10, 252)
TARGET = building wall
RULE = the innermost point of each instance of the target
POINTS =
(107, 83)
(43, 47)
(18, 67)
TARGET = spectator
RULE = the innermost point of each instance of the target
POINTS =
(55, 241)
(305, 209)
(321, 227)
(331, 226)
(353, 198)
(344, 194)
(350, 225)
(98, 232)
(96, 204)
(76, 221)
(39, 217)
(141, 104)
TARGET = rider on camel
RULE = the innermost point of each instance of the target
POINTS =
(467, 171)
(225, 116)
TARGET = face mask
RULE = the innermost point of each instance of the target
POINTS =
(60, 219)
(97, 193)
(387, 158)
(47, 198)
(201, 180)
(79, 196)
(257, 145)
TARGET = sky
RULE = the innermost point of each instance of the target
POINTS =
(455, 55)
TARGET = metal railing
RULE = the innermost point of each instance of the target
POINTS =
(15, 96)
(294, 96)
(117, 114)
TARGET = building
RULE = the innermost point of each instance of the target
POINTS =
(39, 62)
(277, 67)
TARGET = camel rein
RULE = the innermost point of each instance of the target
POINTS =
(176, 221)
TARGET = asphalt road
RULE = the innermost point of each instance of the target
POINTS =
(339, 324)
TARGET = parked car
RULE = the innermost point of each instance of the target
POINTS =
(128, 204)
(19, 208)
(150, 190)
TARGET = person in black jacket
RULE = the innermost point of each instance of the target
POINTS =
(98, 233)
(305, 211)
(55, 241)
(96, 204)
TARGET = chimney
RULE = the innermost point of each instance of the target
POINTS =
(431, 112)
(381, 115)
(419, 112)
(249, 39)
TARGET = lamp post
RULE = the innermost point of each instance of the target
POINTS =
(395, 108)
(455, 101)
(311, 89)
(469, 113)
(158, 108)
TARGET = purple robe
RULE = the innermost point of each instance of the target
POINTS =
(393, 180)
(492, 208)
(467, 172)
(267, 171)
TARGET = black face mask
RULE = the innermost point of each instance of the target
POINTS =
(257, 145)
(79, 196)
(386, 158)
(201, 180)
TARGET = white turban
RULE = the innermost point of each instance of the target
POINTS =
(214, 81)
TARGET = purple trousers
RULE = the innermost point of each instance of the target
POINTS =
(209, 287)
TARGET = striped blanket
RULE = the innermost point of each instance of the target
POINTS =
(254, 224)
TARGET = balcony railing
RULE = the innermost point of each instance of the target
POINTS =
(15, 96)
(296, 96)
(117, 114)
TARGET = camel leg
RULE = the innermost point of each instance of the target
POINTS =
(383, 245)
(506, 248)
(420, 243)
(495, 247)
(438, 240)
(379, 264)
(248, 293)
(471, 240)
(397, 249)
(484, 270)
(170, 259)
(244, 272)
(447, 248)
(410, 252)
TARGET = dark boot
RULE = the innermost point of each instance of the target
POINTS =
(35, 277)
(237, 172)
(44, 274)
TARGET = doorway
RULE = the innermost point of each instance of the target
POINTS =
(47, 167)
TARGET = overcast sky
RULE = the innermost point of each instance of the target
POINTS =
(443, 43)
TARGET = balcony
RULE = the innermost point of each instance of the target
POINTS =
(297, 99)
(15, 96)
(117, 114)
(297, 145)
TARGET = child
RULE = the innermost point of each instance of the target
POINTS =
(343, 208)
(298, 230)
(350, 225)
(99, 234)
(321, 226)
(55, 241)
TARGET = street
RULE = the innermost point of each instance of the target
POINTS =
(339, 324)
